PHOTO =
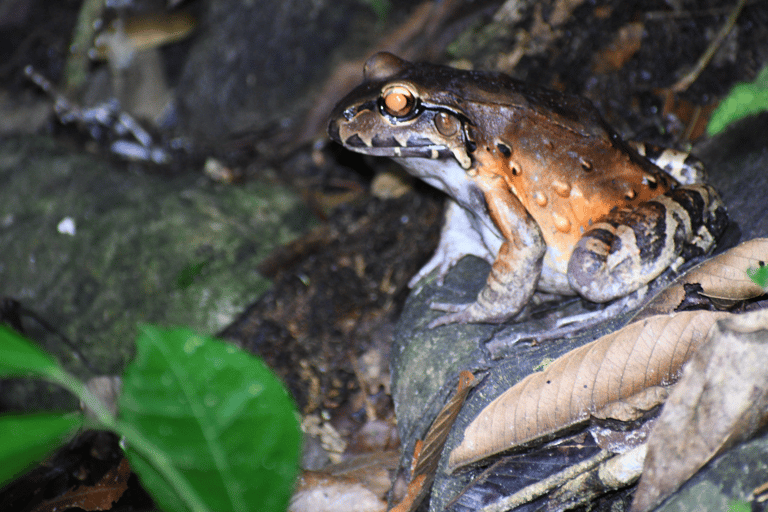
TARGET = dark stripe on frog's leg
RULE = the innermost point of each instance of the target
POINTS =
(613, 260)
(681, 165)
(710, 217)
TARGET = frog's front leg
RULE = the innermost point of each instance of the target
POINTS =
(630, 247)
(516, 269)
(461, 235)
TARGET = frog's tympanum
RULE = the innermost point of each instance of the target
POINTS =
(541, 187)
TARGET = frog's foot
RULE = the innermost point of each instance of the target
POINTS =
(472, 313)
(509, 288)
(460, 237)
(451, 250)
(552, 329)
(631, 247)
(571, 323)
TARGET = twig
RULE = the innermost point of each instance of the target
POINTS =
(690, 77)
(75, 70)
(544, 486)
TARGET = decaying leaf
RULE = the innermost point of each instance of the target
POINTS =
(414, 495)
(723, 277)
(427, 453)
(634, 407)
(99, 496)
(722, 398)
(647, 353)
(625, 44)
(441, 427)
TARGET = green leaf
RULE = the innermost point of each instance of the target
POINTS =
(739, 506)
(760, 276)
(380, 7)
(745, 99)
(27, 438)
(212, 419)
(20, 357)
(188, 274)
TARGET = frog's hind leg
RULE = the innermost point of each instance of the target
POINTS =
(629, 247)
(681, 165)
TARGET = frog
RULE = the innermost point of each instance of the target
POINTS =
(538, 185)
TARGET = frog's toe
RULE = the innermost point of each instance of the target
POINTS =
(448, 307)
(443, 266)
(457, 317)
(457, 314)
(472, 313)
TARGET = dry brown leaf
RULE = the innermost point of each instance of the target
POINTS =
(391, 185)
(643, 354)
(634, 407)
(441, 427)
(722, 398)
(722, 277)
(99, 496)
(413, 495)
(624, 45)
(725, 276)
(427, 453)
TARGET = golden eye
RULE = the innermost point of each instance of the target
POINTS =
(446, 124)
(398, 101)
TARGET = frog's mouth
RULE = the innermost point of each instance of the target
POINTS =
(392, 147)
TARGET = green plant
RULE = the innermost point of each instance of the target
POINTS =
(745, 99)
(207, 427)
(380, 7)
(759, 276)
(739, 506)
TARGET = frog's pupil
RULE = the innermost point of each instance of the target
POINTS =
(398, 101)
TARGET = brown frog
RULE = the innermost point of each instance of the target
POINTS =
(541, 187)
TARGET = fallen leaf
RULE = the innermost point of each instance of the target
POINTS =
(427, 453)
(389, 185)
(441, 427)
(721, 399)
(99, 496)
(413, 495)
(724, 277)
(617, 366)
(620, 49)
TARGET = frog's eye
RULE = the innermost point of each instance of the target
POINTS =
(446, 124)
(398, 101)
